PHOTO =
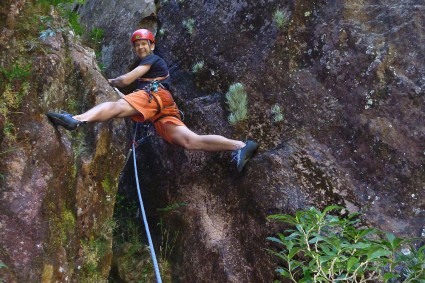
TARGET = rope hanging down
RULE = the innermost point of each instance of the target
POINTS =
(153, 255)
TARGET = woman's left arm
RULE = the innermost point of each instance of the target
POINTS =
(126, 79)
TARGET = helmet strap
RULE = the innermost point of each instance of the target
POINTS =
(149, 44)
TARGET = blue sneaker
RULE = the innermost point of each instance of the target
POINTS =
(244, 154)
(63, 119)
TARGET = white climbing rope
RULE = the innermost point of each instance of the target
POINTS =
(142, 208)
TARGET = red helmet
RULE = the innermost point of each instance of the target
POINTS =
(142, 34)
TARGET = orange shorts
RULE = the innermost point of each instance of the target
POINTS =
(160, 110)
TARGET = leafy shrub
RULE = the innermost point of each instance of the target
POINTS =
(330, 248)
(237, 100)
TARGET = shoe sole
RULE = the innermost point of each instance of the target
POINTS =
(58, 122)
(242, 165)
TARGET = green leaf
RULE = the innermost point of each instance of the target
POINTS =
(391, 237)
(293, 252)
(276, 240)
(331, 207)
(283, 272)
(300, 228)
(283, 218)
(324, 259)
(378, 253)
(361, 245)
(321, 279)
(352, 261)
(316, 240)
(307, 275)
(334, 241)
(327, 250)
(281, 255)
(293, 235)
(393, 240)
(365, 232)
(387, 276)
(295, 264)
(289, 245)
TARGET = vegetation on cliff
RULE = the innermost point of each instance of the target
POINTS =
(325, 247)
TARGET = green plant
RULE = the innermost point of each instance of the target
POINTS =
(277, 113)
(162, 31)
(16, 72)
(65, 9)
(47, 33)
(108, 228)
(9, 131)
(96, 35)
(331, 248)
(133, 254)
(2, 265)
(168, 241)
(73, 19)
(237, 100)
(12, 149)
(14, 86)
(61, 226)
(108, 184)
(281, 18)
(172, 207)
(189, 24)
(49, 30)
(57, 2)
(93, 251)
(198, 66)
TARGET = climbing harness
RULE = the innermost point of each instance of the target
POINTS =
(163, 110)
(154, 84)
(142, 208)
(153, 88)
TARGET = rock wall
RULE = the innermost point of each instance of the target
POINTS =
(57, 188)
(349, 77)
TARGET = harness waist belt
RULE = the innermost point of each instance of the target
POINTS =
(154, 79)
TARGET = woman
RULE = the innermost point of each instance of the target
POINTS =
(154, 103)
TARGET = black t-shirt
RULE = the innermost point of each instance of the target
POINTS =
(158, 69)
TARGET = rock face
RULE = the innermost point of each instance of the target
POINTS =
(349, 77)
(57, 188)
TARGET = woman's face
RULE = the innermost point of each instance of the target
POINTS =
(143, 47)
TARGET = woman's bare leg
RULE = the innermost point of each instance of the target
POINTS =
(184, 137)
(106, 111)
